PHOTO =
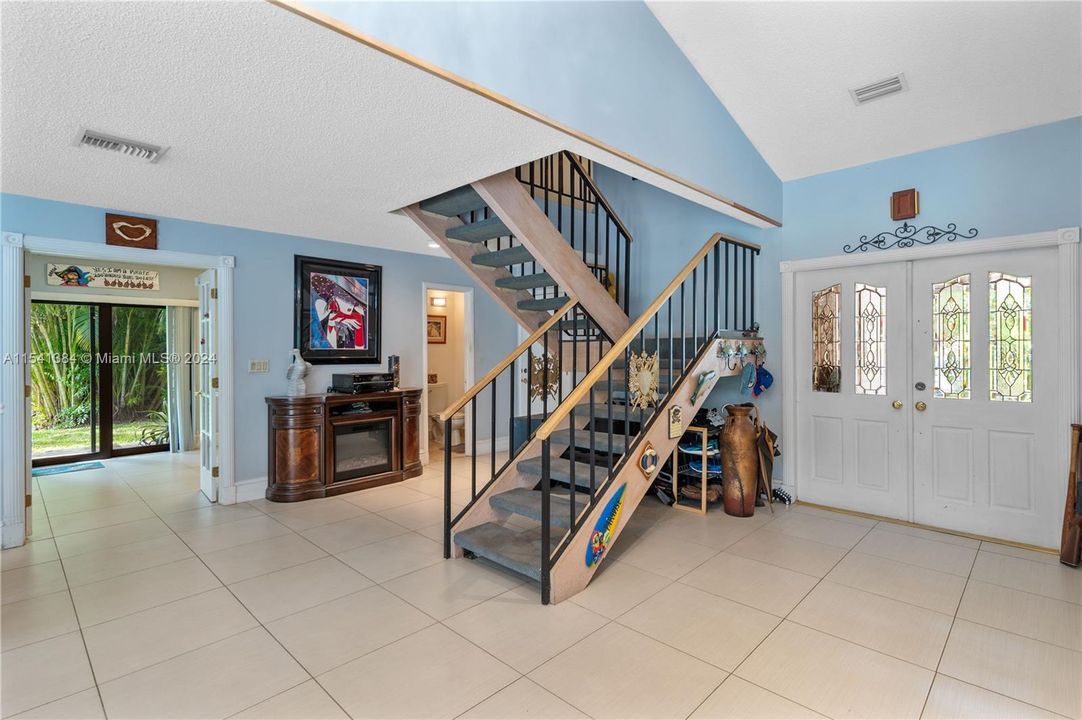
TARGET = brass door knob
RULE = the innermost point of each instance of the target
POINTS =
(897, 404)
(921, 406)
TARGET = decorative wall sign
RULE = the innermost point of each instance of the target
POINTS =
(337, 310)
(908, 236)
(904, 204)
(436, 329)
(130, 231)
(601, 537)
(642, 380)
(100, 277)
(648, 460)
(535, 376)
(676, 421)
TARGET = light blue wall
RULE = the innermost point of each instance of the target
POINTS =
(263, 302)
(1019, 182)
(607, 69)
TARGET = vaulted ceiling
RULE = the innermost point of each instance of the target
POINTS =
(784, 69)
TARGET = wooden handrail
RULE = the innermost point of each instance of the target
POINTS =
(601, 199)
(502, 365)
(575, 397)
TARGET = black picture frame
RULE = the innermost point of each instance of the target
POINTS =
(355, 291)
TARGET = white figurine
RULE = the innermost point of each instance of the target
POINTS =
(298, 368)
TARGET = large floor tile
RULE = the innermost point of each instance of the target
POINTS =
(328, 635)
(713, 629)
(241, 562)
(933, 554)
(824, 513)
(952, 699)
(1035, 616)
(451, 586)
(763, 586)
(215, 681)
(307, 701)
(619, 673)
(103, 517)
(31, 581)
(419, 514)
(1021, 668)
(211, 515)
(125, 594)
(913, 584)
(1000, 549)
(927, 534)
(103, 564)
(664, 555)
(616, 588)
(229, 534)
(312, 513)
(1054, 581)
(827, 531)
(904, 631)
(43, 672)
(175, 502)
(433, 673)
(715, 530)
(85, 705)
(37, 618)
(835, 677)
(385, 497)
(393, 557)
(738, 699)
(787, 551)
(141, 639)
(32, 553)
(112, 536)
(522, 699)
(520, 631)
(348, 534)
(93, 501)
(297, 588)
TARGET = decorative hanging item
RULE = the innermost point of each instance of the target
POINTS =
(676, 421)
(908, 236)
(542, 366)
(648, 460)
(642, 380)
(704, 379)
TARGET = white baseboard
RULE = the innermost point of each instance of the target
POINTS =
(484, 446)
(247, 490)
(13, 535)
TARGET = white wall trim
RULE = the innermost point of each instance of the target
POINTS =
(115, 299)
(14, 445)
(248, 490)
(961, 247)
(1066, 240)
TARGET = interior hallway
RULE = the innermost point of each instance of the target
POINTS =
(138, 597)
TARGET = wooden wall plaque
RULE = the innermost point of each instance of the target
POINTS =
(130, 231)
(904, 204)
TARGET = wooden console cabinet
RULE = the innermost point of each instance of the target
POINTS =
(312, 443)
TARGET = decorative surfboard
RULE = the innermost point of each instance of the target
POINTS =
(601, 537)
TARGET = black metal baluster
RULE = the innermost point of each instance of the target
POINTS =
(726, 245)
(753, 286)
(473, 456)
(546, 510)
(627, 273)
(683, 342)
(447, 488)
(668, 310)
(512, 447)
(492, 437)
(717, 287)
(744, 289)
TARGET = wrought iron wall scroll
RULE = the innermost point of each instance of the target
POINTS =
(908, 236)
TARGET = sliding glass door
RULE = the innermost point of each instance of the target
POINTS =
(99, 385)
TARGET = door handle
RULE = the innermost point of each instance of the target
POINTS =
(921, 406)
(897, 405)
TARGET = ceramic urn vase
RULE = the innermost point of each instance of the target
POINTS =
(739, 462)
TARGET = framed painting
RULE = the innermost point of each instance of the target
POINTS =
(336, 312)
(436, 329)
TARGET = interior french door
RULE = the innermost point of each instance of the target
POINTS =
(207, 387)
(926, 392)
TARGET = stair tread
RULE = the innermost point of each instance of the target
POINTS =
(600, 440)
(527, 502)
(479, 231)
(517, 550)
(500, 258)
(454, 202)
(552, 303)
(560, 471)
(526, 282)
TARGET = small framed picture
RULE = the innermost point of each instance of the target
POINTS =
(437, 329)
(433, 378)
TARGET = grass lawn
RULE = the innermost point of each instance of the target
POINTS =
(54, 440)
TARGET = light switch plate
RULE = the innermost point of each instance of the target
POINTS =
(258, 366)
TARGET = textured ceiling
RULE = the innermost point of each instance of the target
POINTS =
(783, 69)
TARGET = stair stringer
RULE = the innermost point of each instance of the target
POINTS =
(570, 575)
(513, 204)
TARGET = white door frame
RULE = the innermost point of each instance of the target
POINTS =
(14, 431)
(467, 338)
(1070, 318)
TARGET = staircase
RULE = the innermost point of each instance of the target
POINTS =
(562, 445)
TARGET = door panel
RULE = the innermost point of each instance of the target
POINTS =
(207, 393)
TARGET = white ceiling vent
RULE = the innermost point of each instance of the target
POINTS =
(882, 88)
(139, 150)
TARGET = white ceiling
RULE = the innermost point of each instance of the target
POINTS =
(783, 70)
(273, 122)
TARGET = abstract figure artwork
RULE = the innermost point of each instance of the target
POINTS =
(337, 311)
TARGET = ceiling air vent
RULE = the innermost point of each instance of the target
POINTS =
(882, 88)
(139, 150)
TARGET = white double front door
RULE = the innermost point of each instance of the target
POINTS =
(926, 391)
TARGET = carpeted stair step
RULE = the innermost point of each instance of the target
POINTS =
(560, 471)
(582, 324)
(600, 441)
(608, 411)
(501, 258)
(527, 502)
(526, 282)
(454, 202)
(552, 303)
(479, 231)
(517, 550)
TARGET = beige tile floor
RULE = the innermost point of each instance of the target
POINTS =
(138, 599)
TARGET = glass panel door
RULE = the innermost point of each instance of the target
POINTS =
(139, 365)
